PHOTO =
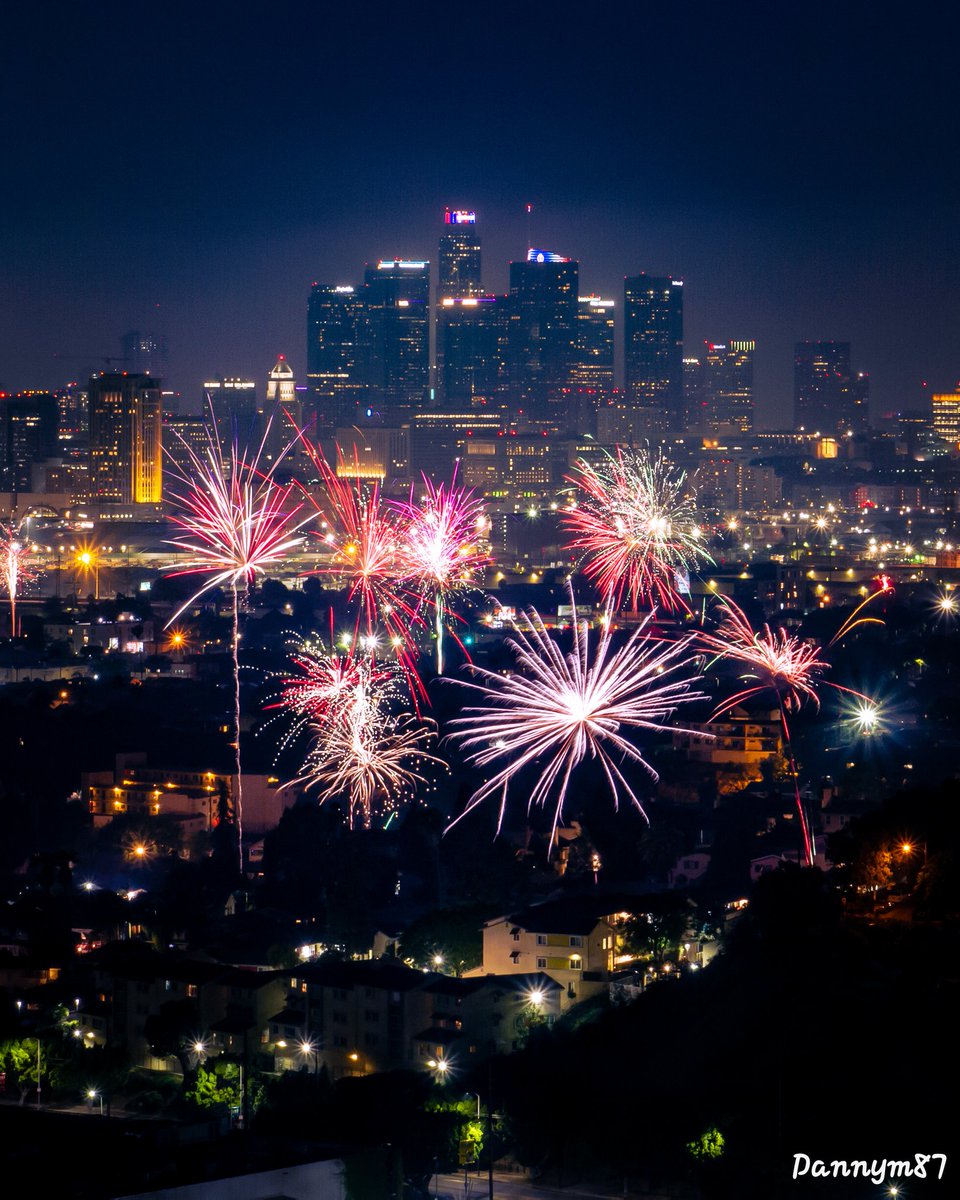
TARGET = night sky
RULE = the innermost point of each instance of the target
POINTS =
(191, 170)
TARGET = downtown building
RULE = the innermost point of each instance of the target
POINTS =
(653, 353)
(542, 336)
(126, 455)
(828, 397)
(718, 389)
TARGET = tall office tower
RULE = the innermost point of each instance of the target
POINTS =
(946, 416)
(396, 296)
(185, 437)
(692, 394)
(470, 334)
(726, 390)
(591, 373)
(542, 332)
(860, 403)
(282, 418)
(28, 434)
(145, 353)
(593, 363)
(233, 405)
(126, 458)
(72, 414)
(653, 351)
(337, 353)
(827, 397)
(459, 256)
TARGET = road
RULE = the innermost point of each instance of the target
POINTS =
(516, 1187)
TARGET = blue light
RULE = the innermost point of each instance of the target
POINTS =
(541, 256)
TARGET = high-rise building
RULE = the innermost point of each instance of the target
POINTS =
(726, 388)
(282, 418)
(233, 404)
(459, 256)
(827, 396)
(126, 456)
(542, 333)
(145, 353)
(185, 437)
(470, 335)
(28, 434)
(396, 298)
(338, 352)
(593, 364)
(653, 351)
(946, 416)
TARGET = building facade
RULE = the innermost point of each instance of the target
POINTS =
(653, 350)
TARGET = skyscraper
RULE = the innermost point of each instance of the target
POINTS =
(946, 416)
(126, 458)
(459, 256)
(145, 353)
(282, 417)
(337, 352)
(396, 298)
(470, 333)
(28, 434)
(653, 351)
(542, 332)
(726, 388)
(593, 363)
(234, 405)
(827, 397)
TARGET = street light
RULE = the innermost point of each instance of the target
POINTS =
(308, 1047)
(93, 1094)
(440, 1066)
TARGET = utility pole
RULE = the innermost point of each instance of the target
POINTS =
(490, 1126)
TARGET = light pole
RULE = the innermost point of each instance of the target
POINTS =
(92, 1095)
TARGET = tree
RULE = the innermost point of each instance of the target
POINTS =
(26, 1060)
(656, 933)
(218, 1087)
(451, 934)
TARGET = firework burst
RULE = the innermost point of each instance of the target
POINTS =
(13, 557)
(556, 710)
(366, 535)
(440, 550)
(361, 751)
(776, 662)
(236, 521)
(635, 527)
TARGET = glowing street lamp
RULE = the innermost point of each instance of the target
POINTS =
(88, 560)
(93, 1094)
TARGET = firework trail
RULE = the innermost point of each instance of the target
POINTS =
(775, 661)
(13, 552)
(556, 710)
(236, 521)
(635, 526)
(439, 548)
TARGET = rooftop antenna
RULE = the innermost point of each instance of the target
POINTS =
(529, 238)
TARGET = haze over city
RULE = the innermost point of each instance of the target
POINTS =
(795, 170)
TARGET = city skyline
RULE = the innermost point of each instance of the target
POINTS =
(800, 184)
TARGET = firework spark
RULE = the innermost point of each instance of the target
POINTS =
(635, 526)
(557, 710)
(237, 521)
(13, 556)
(361, 750)
(440, 548)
